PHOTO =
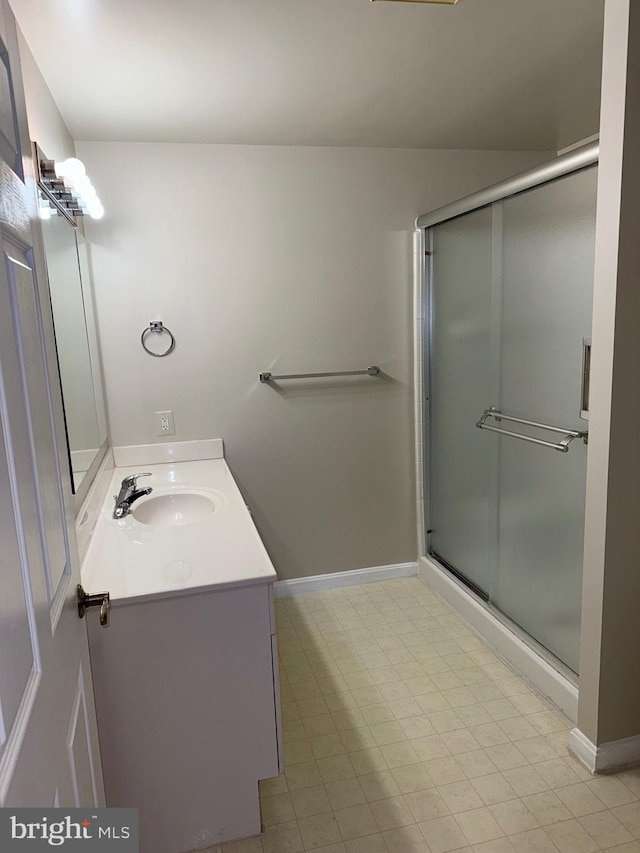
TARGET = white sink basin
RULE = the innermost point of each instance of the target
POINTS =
(174, 509)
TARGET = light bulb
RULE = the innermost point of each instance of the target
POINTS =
(45, 213)
(96, 210)
(71, 168)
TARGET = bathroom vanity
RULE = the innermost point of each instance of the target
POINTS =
(185, 675)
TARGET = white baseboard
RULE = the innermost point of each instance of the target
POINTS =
(168, 451)
(296, 586)
(614, 755)
(548, 680)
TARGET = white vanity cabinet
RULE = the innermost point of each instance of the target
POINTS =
(186, 695)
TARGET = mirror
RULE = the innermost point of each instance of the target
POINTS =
(68, 269)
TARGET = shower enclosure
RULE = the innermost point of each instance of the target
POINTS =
(508, 290)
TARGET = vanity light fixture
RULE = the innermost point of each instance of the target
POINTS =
(68, 186)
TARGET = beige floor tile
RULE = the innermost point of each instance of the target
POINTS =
(496, 845)
(277, 809)
(367, 761)
(460, 740)
(358, 739)
(570, 837)
(404, 708)
(336, 768)
(275, 785)
(407, 839)
(283, 838)
(293, 730)
(501, 709)
(326, 746)
(557, 773)
(381, 785)
(611, 791)
(475, 763)
(631, 847)
(631, 779)
(536, 749)
(412, 777)
(392, 813)
(432, 702)
(312, 707)
(429, 747)
(478, 825)
(445, 721)
(376, 714)
(517, 728)
(533, 841)
(629, 816)
(416, 726)
(494, 789)
(445, 771)
(356, 821)
(304, 775)
(525, 781)
(367, 696)
(366, 844)
(507, 756)
(342, 701)
(580, 800)
(460, 796)
(489, 734)
(320, 725)
(605, 829)
(385, 733)
(399, 754)
(332, 848)
(319, 831)
(547, 808)
(310, 801)
(513, 817)
(348, 720)
(297, 752)
(443, 835)
(345, 793)
(426, 805)
(547, 721)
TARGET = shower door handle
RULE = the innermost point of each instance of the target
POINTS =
(586, 378)
(562, 445)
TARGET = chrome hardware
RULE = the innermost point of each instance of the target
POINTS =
(129, 492)
(562, 446)
(372, 370)
(586, 378)
(157, 327)
(97, 599)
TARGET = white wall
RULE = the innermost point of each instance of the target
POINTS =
(609, 708)
(289, 260)
(46, 125)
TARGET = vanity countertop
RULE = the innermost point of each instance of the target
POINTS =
(144, 561)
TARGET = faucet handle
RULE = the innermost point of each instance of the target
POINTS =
(131, 480)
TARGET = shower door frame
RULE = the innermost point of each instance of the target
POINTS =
(574, 161)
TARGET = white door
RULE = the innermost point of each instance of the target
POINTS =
(48, 736)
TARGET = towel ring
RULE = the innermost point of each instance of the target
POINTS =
(157, 327)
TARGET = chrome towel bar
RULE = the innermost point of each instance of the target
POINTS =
(562, 446)
(373, 370)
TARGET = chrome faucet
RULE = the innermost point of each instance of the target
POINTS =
(129, 492)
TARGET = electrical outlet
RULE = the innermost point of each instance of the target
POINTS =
(164, 423)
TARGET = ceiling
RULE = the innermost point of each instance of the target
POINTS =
(487, 74)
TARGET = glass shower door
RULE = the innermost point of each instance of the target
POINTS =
(547, 274)
(511, 290)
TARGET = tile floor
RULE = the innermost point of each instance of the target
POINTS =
(404, 733)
